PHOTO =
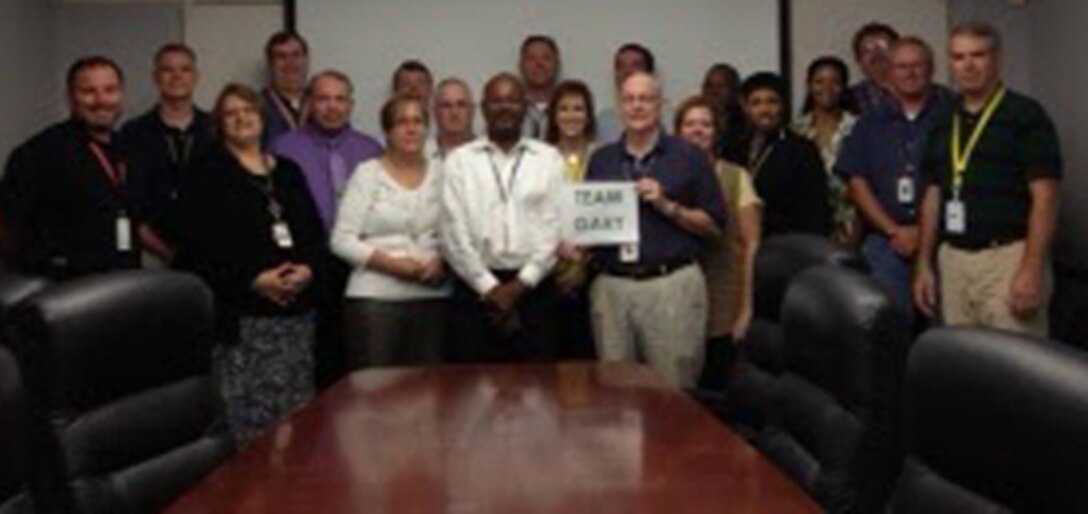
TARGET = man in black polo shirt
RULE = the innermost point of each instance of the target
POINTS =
(67, 202)
(650, 299)
(165, 143)
(992, 168)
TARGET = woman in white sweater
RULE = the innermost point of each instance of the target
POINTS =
(387, 229)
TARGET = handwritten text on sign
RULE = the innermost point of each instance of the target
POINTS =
(601, 213)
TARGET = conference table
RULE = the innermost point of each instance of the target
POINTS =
(559, 438)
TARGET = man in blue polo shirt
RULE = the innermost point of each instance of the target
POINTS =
(650, 299)
(881, 159)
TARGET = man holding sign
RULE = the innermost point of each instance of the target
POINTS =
(650, 299)
(992, 168)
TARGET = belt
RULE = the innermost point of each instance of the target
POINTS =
(974, 245)
(646, 271)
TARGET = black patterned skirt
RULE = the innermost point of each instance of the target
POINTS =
(266, 373)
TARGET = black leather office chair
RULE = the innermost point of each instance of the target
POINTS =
(13, 455)
(117, 368)
(996, 423)
(780, 259)
(16, 288)
(835, 422)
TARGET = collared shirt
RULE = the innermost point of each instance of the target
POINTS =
(501, 211)
(60, 207)
(685, 176)
(327, 160)
(885, 146)
(1020, 144)
(536, 120)
(280, 115)
(164, 156)
(868, 95)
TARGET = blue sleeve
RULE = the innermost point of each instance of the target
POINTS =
(854, 159)
(708, 192)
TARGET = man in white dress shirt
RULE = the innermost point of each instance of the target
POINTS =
(499, 234)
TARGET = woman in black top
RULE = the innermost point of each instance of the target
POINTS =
(253, 233)
(786, 168)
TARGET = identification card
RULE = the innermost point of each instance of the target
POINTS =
(282, 235)
(905, 191)
(629, 253)
(955, 217)
(123, 229)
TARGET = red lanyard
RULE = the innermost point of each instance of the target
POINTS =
(115, 174)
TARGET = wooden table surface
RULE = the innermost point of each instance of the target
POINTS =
(567, 438)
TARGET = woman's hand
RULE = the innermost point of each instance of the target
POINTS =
(274, 285)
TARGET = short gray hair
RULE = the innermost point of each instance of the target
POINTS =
(980, 30)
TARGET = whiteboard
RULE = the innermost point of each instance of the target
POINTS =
(474, 39)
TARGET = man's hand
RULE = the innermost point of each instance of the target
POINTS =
(904, 240)
(1025, 293)
(650, 191)
(924, 290)
(504, 297)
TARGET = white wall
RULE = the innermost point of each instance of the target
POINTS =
(826, 27)
(476, 38)
(26, 34)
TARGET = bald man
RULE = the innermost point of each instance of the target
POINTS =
(500, 233)
(650, 298)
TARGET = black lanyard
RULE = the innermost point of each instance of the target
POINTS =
(179, 158)
(505, 192)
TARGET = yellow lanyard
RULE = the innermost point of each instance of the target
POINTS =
(961, 158)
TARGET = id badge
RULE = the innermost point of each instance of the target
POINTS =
(629, 253)
(282, 235)
(123, 233)
(955, 217)
(905, 191)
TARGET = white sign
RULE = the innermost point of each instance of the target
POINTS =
(600, 213)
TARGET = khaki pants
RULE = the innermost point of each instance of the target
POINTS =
(661, 321)
(975, 288)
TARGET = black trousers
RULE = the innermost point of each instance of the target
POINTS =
(531, 334)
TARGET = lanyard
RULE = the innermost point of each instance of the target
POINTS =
(114, 173)
(761, 159)
(180, 159)
(290, 116)
(505, 192)
(961, 158)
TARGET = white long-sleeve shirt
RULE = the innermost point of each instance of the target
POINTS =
(501, 211)
(377, 213)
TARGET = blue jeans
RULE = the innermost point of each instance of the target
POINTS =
(892, 271)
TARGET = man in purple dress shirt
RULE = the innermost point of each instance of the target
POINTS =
(326, 147)
(328, 150)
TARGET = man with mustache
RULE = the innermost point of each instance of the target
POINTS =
(68, 204)
(786, 168)
(500, 233)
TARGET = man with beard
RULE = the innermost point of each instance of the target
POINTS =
(67, 202)
(501, 229)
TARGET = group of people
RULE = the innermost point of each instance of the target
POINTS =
(329, 249)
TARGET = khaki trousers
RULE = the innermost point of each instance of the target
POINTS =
(975, 288)
(660, 321)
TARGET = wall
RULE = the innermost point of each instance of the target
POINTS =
(827, 27)
(1059, 69)
(25, 25)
